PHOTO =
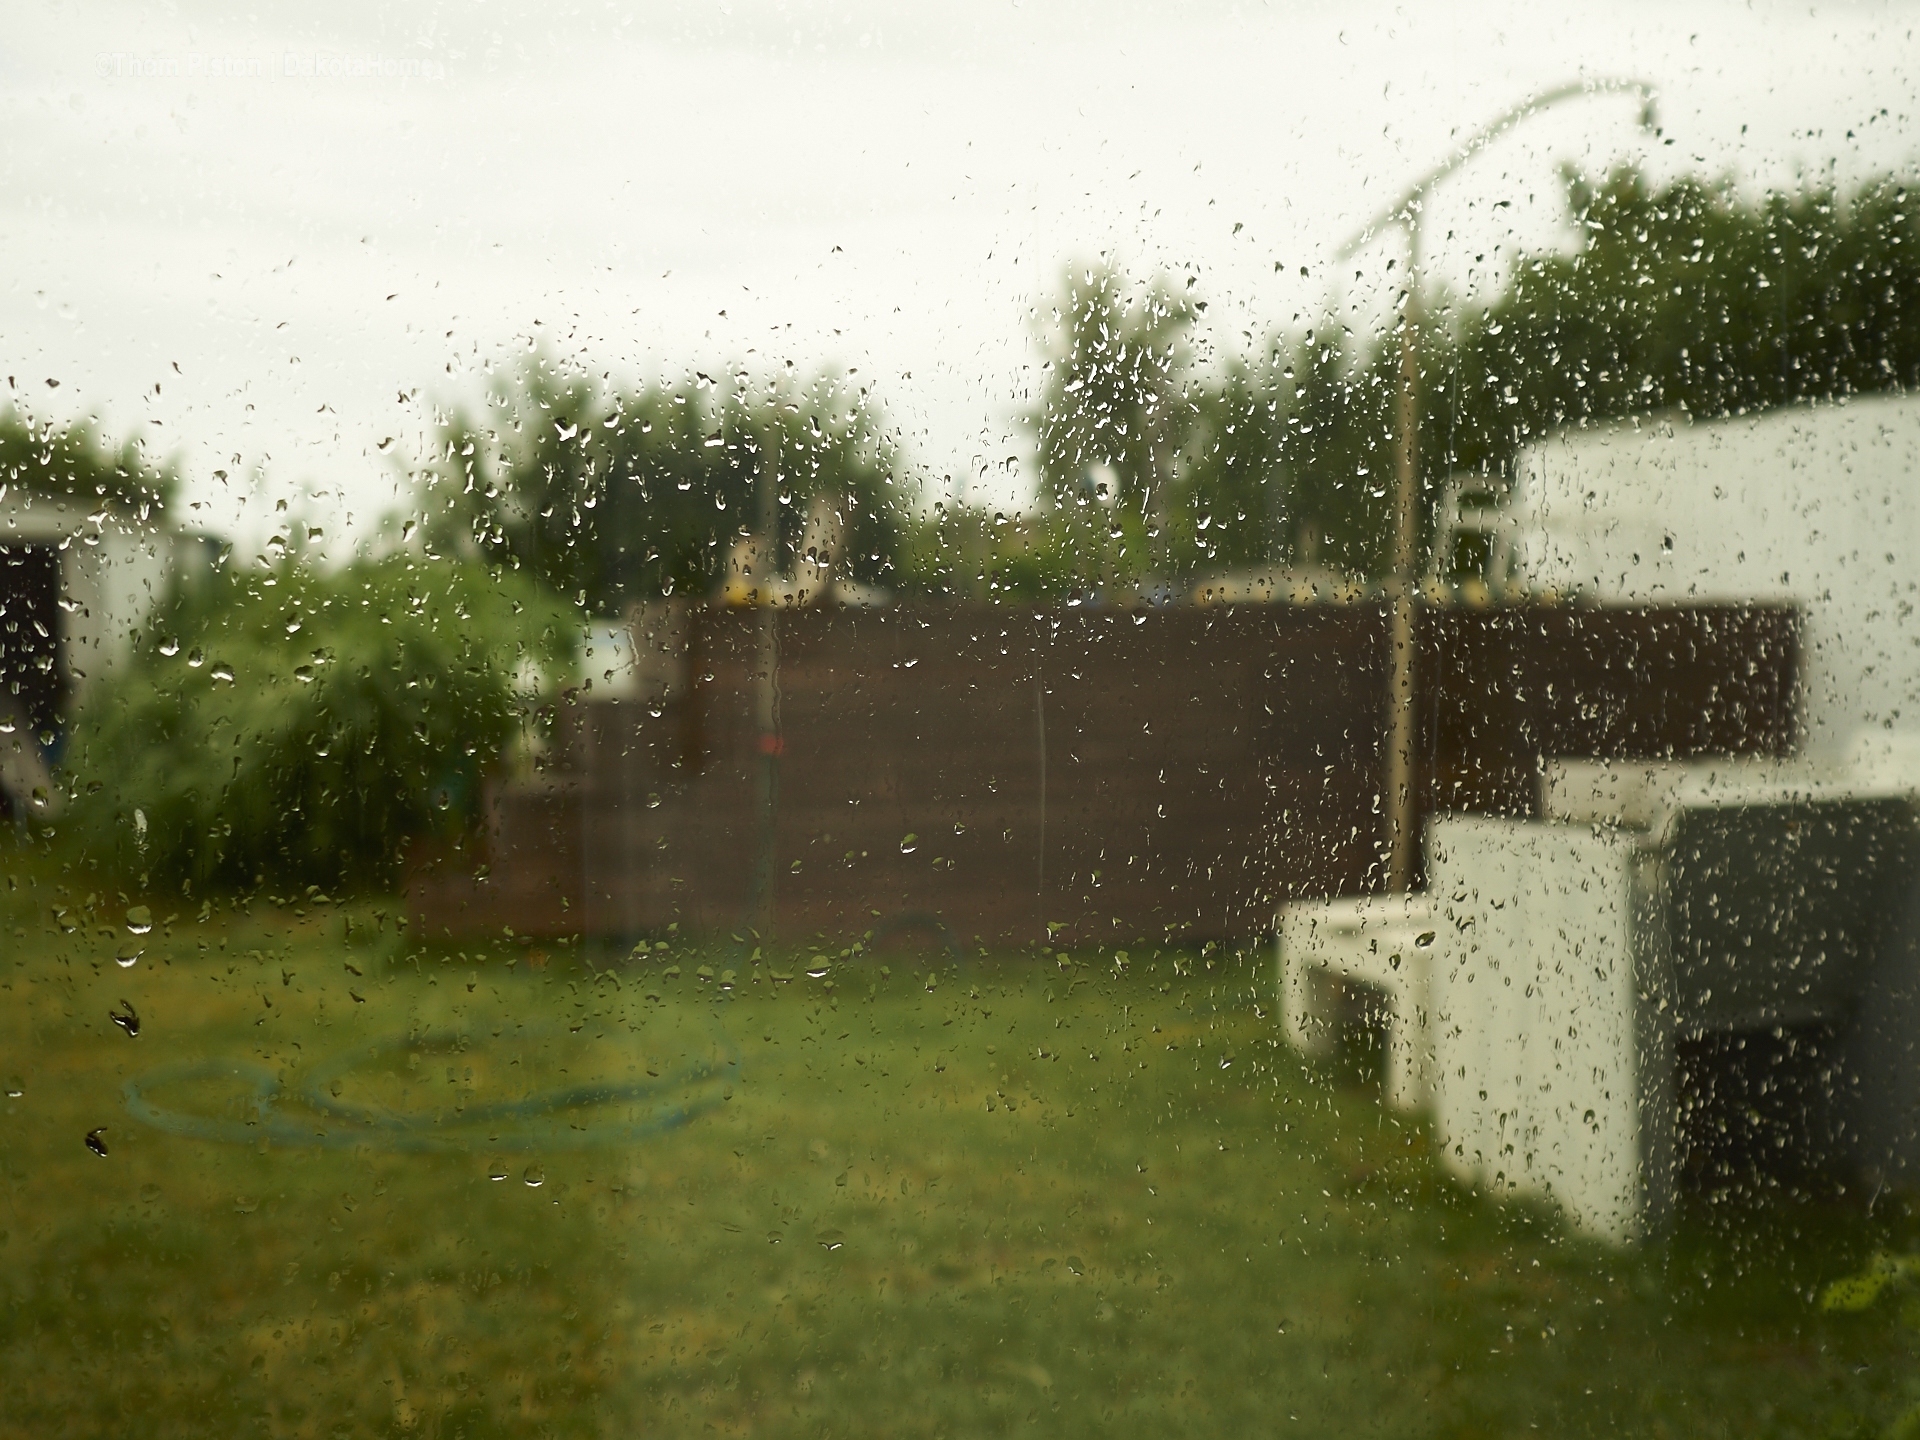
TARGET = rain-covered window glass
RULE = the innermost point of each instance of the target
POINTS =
(820, 719)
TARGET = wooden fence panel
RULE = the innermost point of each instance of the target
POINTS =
(1093, 774)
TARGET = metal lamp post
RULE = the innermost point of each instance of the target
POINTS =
(1402, 840)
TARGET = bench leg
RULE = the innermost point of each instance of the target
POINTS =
(1309, 1001)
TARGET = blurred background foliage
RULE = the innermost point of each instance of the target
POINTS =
(302, 727)
(1689, 296)
(76, 462)
(366, 701)
(611, 494)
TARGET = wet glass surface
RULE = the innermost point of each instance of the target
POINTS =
(823, 720)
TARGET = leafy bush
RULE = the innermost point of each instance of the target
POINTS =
(302, 727)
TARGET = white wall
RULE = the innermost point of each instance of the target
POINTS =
(1816, 505)
(112, 570)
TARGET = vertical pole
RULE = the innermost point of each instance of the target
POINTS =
(1040, 737)
(766, 692)
(1403, 838)
(1162, 506)
(583, 760)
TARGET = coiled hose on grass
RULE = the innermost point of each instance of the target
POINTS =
(544, 1121)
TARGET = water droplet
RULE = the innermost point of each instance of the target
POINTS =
(535, 1176)
(832, 1239)
(304, 674)
(1424, 939)
(139, 919)
(95, 1143)
(222, 671)
(169, 647)
(817, 974)
(909, 844)
(127, 1018)
(196, 658)
(127, 956)
(497, 1170)
(715, 439)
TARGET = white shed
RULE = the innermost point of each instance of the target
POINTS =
(76, 583)
(111, 568)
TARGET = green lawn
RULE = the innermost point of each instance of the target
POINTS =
(1048, 1194)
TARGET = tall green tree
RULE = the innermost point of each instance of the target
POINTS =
(611, 494)
(1111, 408)
(1688, 296)
(1235, 484)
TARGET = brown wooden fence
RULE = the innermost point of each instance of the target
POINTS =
(1175, 773)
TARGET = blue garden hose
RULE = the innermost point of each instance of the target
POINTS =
(537, 1122)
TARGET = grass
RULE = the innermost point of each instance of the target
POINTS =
(1054, 1194)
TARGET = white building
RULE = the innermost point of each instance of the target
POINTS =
(1543, 992)
(1813, 505)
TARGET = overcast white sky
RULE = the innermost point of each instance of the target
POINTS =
(653, 187)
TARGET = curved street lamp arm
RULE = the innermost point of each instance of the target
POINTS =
(1401, 210)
